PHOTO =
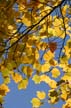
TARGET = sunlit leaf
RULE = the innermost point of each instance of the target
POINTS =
(1, 99)
(41, 95)
(48, 56)
(55, 72)
(52, 84)
(64, 9)
(4, 89)
(6, 80)
(16, 77)
(36, 102)
(27, 70)
(23, 84)
(36, 79)
(45, 67)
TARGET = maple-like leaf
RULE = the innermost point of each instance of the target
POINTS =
(52, 46)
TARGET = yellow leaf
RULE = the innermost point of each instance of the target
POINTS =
(53, 62)
(4, 89)
(48, 56)
(37, 66)
(13, 40)
(36, 102)
(6, 80)
(41, 95)
(10, 27)
(64, 9)
(5, 71)
(42, 1)
(1, 99)
(69, 43)
(55, 72)
(45, 67)
(52, 100)
(66, 78)
(27, 60)
(36, 54)
(51, 32)
(23, 84)
(16, 77)
(64, 96)
(67, 104)
(52, 83)
(57, 22)
(26, 21)
(36, 79)
(27, 70)
(45, 78)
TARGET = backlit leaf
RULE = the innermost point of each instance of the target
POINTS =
(23, 84)
(36, 102)
(16, 77)
(36, 79)
(55, 73)
(41, 95)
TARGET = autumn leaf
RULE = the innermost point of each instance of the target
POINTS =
(64, 9)
(67, 104)
(64, 95)
(4, 89)
(41, 95)
(1, 99)
(36, 79)
(48, 56)
(26, 19)
(52, 46)
(36, 102)
(27, 70)
(55, 72)
(48, 80)
(45, 67)
(52, 84)
(35, 45)
(23, 84)
(5, 71)
(45, 78)
(16, 77)
(6, 80)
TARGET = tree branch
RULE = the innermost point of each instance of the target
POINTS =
(33, 26)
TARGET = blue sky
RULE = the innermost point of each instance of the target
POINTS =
(21, 98)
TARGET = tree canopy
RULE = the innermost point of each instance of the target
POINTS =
(35, 43)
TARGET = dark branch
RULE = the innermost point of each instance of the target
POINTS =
(64, 36)
(33, 26)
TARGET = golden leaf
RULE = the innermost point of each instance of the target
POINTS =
(23, 84)
(16, 77)
(36, 102)
(41, 95)
(55, 72)
(27, 70)
(52, 84)
(4, 89)
(45, 67)
(36, 79)
(48, 56)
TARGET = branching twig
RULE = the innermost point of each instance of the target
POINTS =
(33, 26)
(64, 37)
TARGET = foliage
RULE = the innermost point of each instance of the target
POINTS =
(35, 43)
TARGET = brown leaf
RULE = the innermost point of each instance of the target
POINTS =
(52, 46)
